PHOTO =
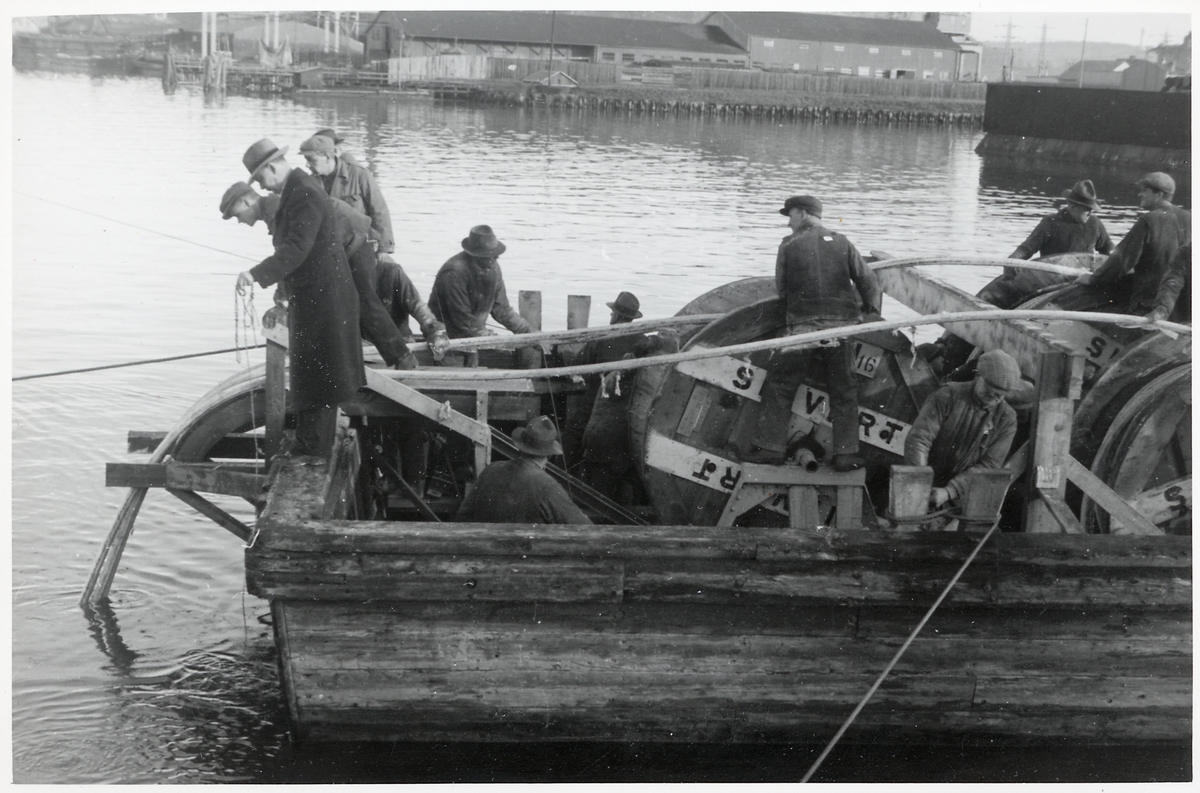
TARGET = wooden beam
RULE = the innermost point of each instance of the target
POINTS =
(1061, 512)
(243, 482)
(578, 309)
(429, 408)
(483, 451)
(276, 397)
(236, 444)
(529, 306)
(1108, 500)
(213, 513)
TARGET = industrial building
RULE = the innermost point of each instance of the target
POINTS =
(1128, 74)
(528, 34)
(860, 46)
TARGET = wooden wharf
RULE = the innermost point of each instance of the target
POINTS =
(743, 603)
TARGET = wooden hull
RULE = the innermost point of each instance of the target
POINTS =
(460, 632)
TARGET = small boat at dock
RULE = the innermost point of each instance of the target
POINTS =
(734, 602)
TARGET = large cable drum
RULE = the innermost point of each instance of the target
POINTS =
(688, 420)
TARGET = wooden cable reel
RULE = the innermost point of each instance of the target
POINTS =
(687, 420)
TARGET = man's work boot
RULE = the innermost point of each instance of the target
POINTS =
(847, 462)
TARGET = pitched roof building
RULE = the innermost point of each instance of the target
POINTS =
(862, 46)
(528, 34)
(1130, 74)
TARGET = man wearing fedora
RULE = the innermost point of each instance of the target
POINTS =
(469, 287)
(1074, 228)
(824, 283)
(966, 425)
(624, 309)
(351, 183)
(323, 342)
(375, 321)
(1131, 276)
(520, 490)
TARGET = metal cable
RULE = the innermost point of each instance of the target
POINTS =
(137, 363)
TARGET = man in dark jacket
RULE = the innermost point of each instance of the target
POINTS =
(323, 342)
(470, 286)
(966, 425)
(1137, 267)
(624, 309)
(1174, 298)
(353, 184)
(824, 283)
(241, 201)
(520, 490)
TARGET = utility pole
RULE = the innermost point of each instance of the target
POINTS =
(550, 69)
(1006, 64)
(1083, 52)
(1041, 62)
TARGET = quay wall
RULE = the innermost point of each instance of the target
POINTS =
(1102, 125)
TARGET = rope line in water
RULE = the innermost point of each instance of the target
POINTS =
(137, 363)
(911, 637)
(139, 228)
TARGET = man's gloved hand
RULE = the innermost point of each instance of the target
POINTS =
(439, 343)
(409, 361)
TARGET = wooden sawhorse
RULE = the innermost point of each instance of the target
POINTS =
(760, 483)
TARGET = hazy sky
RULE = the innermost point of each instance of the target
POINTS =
(1122, 28)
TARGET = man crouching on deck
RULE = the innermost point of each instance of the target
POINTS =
(323, 341)
(520, 490)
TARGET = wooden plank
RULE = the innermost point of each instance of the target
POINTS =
(1061, 512)
(578, 309)
(483, 449)
(802, 507)
(433, 578)
(908, 495)
(730, 374)
(1021, 339)
(429, 408)
(243, 481)
(529, 306)
(213, 513)
(276, 397)
(1107, 500)
(985, 494)
(1161, 503)
(289, 534)
(694, 465)
(849, 506)
(885, 432)
(244, 445)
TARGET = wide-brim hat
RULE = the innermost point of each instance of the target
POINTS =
(236, 192)
(1084, 194)
(808, 203)
(538, 438)
(260, 155)
(482, 242)
(1159, 181)
(626, 305)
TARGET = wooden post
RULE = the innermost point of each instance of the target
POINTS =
(578, 309)
(529, 306)
(483, 446)
(276, 398)
(1060, 378)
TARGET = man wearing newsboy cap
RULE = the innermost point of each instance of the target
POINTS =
(1131, 276)
(824, 283)
(966, 425)
(520, 490)
(325, 351)
(351, 183)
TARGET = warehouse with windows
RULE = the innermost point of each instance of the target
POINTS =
(828, 43)
(528, 34)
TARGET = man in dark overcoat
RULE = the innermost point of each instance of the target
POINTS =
(323, 341)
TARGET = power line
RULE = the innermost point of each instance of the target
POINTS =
(139, 228)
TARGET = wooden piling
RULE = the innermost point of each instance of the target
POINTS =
(578, 309)
(1060, 378)
(529, 306)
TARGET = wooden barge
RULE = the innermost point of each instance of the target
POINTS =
(741, 603)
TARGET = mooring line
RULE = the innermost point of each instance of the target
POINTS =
(139, 228)
(912, 636)
(136, 363)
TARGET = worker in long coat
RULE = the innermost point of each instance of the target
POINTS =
(323, 341)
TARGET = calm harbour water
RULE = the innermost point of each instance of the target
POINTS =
(178, 684)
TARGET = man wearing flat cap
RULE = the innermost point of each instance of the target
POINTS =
(624, 309)
(963, 426)
(351, 183)
(520, 490)
(1131, 276)
(338, 149)
(323, 342)
(824, 283)
(469, 287)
